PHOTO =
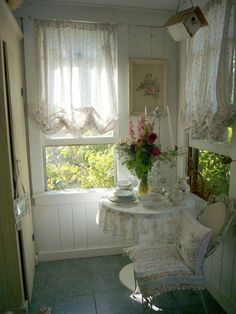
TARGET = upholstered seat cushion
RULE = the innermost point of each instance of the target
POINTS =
(159, 269)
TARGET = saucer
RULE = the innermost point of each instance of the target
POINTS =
(123, 194)
(124, 184)
(115, 199)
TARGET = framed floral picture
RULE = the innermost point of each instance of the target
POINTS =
(148, 85)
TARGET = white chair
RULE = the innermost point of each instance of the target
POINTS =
(157, 269)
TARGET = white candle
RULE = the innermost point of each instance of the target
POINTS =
(172, 141)
(145, 111)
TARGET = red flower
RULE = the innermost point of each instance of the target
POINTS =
(149, 89)
(151, 138)
(156, 151)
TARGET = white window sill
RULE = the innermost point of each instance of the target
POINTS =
(215, 147)
(69, 196)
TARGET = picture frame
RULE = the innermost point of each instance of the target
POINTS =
(147, 85)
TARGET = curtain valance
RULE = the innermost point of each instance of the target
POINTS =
(76, 74)
(210, 79)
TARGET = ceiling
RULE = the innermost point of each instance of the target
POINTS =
(142, 4)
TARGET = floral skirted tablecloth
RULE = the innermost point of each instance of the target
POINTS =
(139, 223)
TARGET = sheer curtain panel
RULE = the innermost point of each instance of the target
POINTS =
(76, 74)
(210, 80)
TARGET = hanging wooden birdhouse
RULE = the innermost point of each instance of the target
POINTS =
(185, 24)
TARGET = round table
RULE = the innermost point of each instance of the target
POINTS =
(136, 222)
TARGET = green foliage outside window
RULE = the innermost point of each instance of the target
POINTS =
(215, 169)
(85, 166)
(210, 172)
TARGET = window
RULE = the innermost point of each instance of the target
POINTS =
(81, 166)
(209, 172)
(76, 105)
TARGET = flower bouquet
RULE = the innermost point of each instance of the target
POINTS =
(141, 150)
(149, 86)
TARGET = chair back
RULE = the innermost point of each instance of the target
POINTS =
(217, 215)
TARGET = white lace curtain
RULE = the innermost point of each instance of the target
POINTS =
(76, 74)
(210, 80)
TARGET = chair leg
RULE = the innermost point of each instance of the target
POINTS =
(148, 304)
(203, 301)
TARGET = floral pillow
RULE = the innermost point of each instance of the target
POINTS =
(192, 239)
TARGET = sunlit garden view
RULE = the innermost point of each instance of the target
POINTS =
(84, 166)
(92, 166)
(215, 169)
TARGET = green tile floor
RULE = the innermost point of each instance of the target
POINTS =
(92, 286)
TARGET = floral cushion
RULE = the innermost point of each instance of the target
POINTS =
(192, 239)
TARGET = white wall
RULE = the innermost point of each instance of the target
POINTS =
(66, 228)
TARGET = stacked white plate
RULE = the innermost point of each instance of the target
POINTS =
(124, 185)
(123, 196)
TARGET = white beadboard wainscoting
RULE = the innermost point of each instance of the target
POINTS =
(221, 272)
(65, 227)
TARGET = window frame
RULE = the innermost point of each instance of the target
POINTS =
(78, 141)
(227, 149)
(88, 140)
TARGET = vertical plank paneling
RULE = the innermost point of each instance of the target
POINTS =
(157, 40)
(208, 267)
(216, 272)
(123, 79)
(233, 289)
(133, 41)
(171, 55)
(164, 133)
(232, 194)
(80, 225)
(228, 263)
(93, 231)
(219, 252)
(144, 42)
(66, 226)
(46, 228)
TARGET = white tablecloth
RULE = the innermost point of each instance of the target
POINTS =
(139, 223)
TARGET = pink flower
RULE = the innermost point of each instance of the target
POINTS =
(156, 151)
(131, 130)
(152, 125)
(151, 138)
(141, 126)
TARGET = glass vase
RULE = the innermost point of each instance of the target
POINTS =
(143, 185)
